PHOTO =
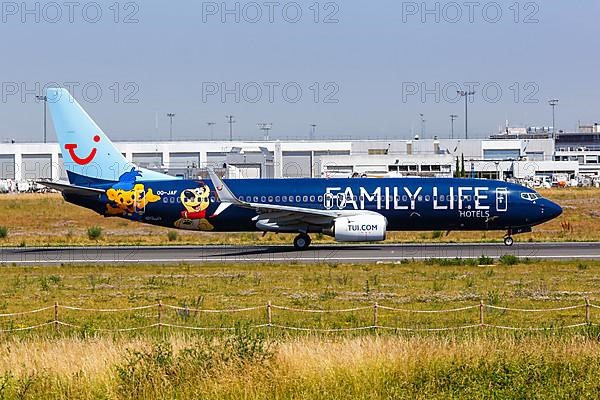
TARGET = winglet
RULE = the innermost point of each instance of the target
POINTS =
(225, 194)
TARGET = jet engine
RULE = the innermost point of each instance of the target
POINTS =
(360, 228)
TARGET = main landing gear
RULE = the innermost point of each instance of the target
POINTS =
(302, 241)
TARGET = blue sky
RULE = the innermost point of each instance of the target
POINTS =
(365, 58)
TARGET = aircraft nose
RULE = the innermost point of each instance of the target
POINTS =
(553, 210)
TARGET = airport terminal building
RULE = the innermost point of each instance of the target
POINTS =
(503, 156)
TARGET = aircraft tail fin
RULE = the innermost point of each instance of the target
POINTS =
(89, 156)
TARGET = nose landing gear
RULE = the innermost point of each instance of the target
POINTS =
(508, 240)
(302, 241)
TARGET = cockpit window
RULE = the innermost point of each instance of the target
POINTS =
(530, 196)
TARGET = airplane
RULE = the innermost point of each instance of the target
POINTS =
(349, 210)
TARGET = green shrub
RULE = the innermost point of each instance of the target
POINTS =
(582, 266)
(94, 232)
(485, 260)
(436, 234)
(3, 232)
(172, 236)
(509, 259)
(160, 370)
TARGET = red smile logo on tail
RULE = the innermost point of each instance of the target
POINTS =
(70, 147)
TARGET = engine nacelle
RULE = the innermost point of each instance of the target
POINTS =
(360, 228)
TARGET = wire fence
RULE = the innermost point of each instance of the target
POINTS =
(269, 322)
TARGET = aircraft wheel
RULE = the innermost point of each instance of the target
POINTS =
(302, 241)
(508, 241)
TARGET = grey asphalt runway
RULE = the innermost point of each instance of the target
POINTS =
(282, 254)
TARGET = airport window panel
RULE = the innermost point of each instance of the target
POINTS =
(7, 166)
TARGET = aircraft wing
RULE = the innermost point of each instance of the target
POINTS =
(67, 188)
(274, 213)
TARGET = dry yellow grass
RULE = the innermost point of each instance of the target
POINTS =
(46, 219)
(310, 368)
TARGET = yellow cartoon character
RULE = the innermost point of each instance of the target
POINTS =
(129, 202)
(196, 202)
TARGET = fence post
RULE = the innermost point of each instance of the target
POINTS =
(56, 316)
(160, 306)
(269, 314)
(375, 322)
(481, 313)
(587, 311)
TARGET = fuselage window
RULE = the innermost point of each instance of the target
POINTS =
(420, 198)
(320, 199)
(270, 199)
(263, 198)
(284, 199)
(256, 199)
(277, 199)
(427, 198)
(442, 198)
(172, 200)
(404, 198)
(298, 199)
(305, 199)
(469, 197)
(312, 199)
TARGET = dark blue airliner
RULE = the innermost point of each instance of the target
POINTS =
(350, 210)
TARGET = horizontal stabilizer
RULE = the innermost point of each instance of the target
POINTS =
(65, 187)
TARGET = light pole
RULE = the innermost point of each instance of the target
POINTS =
(553, 103)
(466, 95)
(171, 116)
(312, 131)
(211, 128)
(452, 119)
(45, 100)
(265, 127)
(230, 121)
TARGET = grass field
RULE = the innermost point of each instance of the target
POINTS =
(87, 362)
(273, 364)
(46, 219)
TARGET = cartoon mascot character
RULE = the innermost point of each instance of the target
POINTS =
(127, 198)
(196, 202)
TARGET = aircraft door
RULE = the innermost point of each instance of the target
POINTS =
(501, 199)
(139, 203)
